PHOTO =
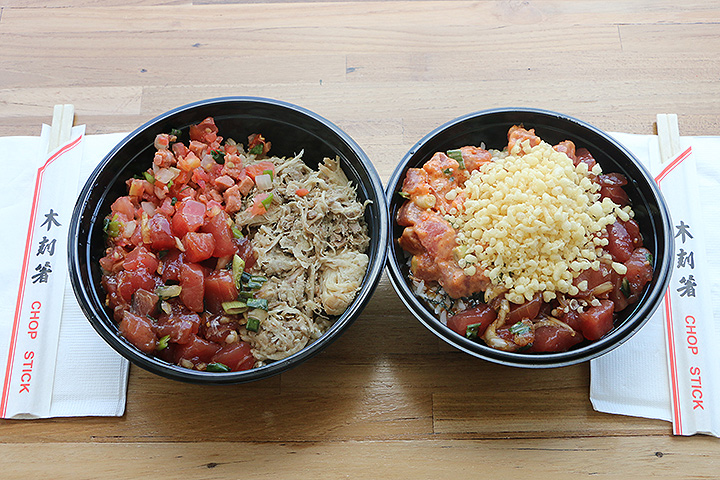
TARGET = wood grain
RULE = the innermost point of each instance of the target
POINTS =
(388, 399)
(607, 457)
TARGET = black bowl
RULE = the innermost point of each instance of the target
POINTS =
(490, 127)
(290, 128)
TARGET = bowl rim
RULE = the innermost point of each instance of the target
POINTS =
(619, 335)
(160, 367)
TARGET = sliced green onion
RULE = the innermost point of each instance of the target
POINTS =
(471, 331)
(257, 149)
(235, 307)
(260, 303)
(267, 201)
(520, 328)
(217, 367)
(173, 201)
(456, 155)
(258, 314)
(168, 291)
(253, 324)
(218, 156)
(236, 231)
(255, 282)
(149, 177)
(169, 184)
(269, 172)
(245, 277)
(625, 288)
(404, 194)
(245, 295)
(238, 267)
(111, 226)
(176, 131)
(649, 258)
(162, 344)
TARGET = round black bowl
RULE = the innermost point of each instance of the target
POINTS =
(491, 127)
(290, 129)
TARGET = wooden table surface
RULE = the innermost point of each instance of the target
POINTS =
(388, 399)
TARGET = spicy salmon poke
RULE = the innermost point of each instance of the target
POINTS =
(532, 248)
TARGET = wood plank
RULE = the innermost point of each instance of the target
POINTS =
(554, 409)
(231, 414)
(87, 3)
(142, 66)
(365, 13)
(328, 33)
(611, 458)
(16, 102)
